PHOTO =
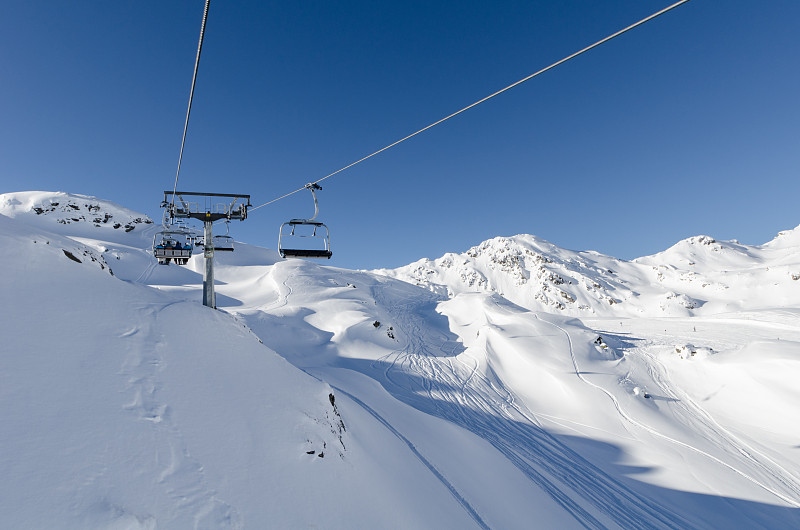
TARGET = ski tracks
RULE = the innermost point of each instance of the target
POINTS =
(696, 415)
(432, 468)
(464, 396)
(783, 484)
(147, 271)
(181, 475)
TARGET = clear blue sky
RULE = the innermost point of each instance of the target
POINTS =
(688, 125)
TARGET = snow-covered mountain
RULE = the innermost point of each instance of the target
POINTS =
(83, 214)
(697, 276)
(517, 385)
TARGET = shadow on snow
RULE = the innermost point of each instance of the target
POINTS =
(596, 493)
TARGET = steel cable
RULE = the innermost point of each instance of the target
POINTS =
(509, 87)
(191, 96)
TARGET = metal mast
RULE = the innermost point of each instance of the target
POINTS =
(209, 297)
(207, 207)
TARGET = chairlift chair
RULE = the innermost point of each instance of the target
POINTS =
(289, 231)
(223, 243)
(294, 232)
(175, 245)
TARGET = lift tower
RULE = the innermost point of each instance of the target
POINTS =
(208, 208)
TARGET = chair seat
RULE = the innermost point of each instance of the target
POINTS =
(305, 253)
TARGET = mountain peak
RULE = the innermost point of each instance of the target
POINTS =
(697, 274)
(84, 213)
(785, 239)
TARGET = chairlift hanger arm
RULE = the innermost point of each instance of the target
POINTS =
(311, 187)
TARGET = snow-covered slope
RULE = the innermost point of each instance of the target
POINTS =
(126, 407)
(475, 399)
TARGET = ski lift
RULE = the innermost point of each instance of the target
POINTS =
(305, 236)
(224, 243)
(221, 243)
(175, 245)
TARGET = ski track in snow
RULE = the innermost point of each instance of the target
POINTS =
(782, 483)
(147, 271)
(493, 414)
(283, 299)
(432, 468)
(181, 475)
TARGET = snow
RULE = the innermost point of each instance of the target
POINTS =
(515, 385)
(696, 276)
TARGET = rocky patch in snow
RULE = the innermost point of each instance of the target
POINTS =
(69, 209)
(690, 351)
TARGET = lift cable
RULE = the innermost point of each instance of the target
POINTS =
(191, 96)
(543, 70)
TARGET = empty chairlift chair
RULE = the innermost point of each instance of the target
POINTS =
(224, 243)
(305, 238)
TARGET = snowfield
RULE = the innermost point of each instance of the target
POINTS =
(516, 385)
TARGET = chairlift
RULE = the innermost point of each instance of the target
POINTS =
(224, 243)
(220, 243)
(174, 245)
(306, 238)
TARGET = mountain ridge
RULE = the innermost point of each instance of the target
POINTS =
(541, 276)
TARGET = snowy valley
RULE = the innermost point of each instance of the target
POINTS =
(515, 385)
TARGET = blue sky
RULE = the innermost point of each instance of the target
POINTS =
(687, 125)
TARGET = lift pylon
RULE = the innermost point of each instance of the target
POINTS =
(208, 208)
